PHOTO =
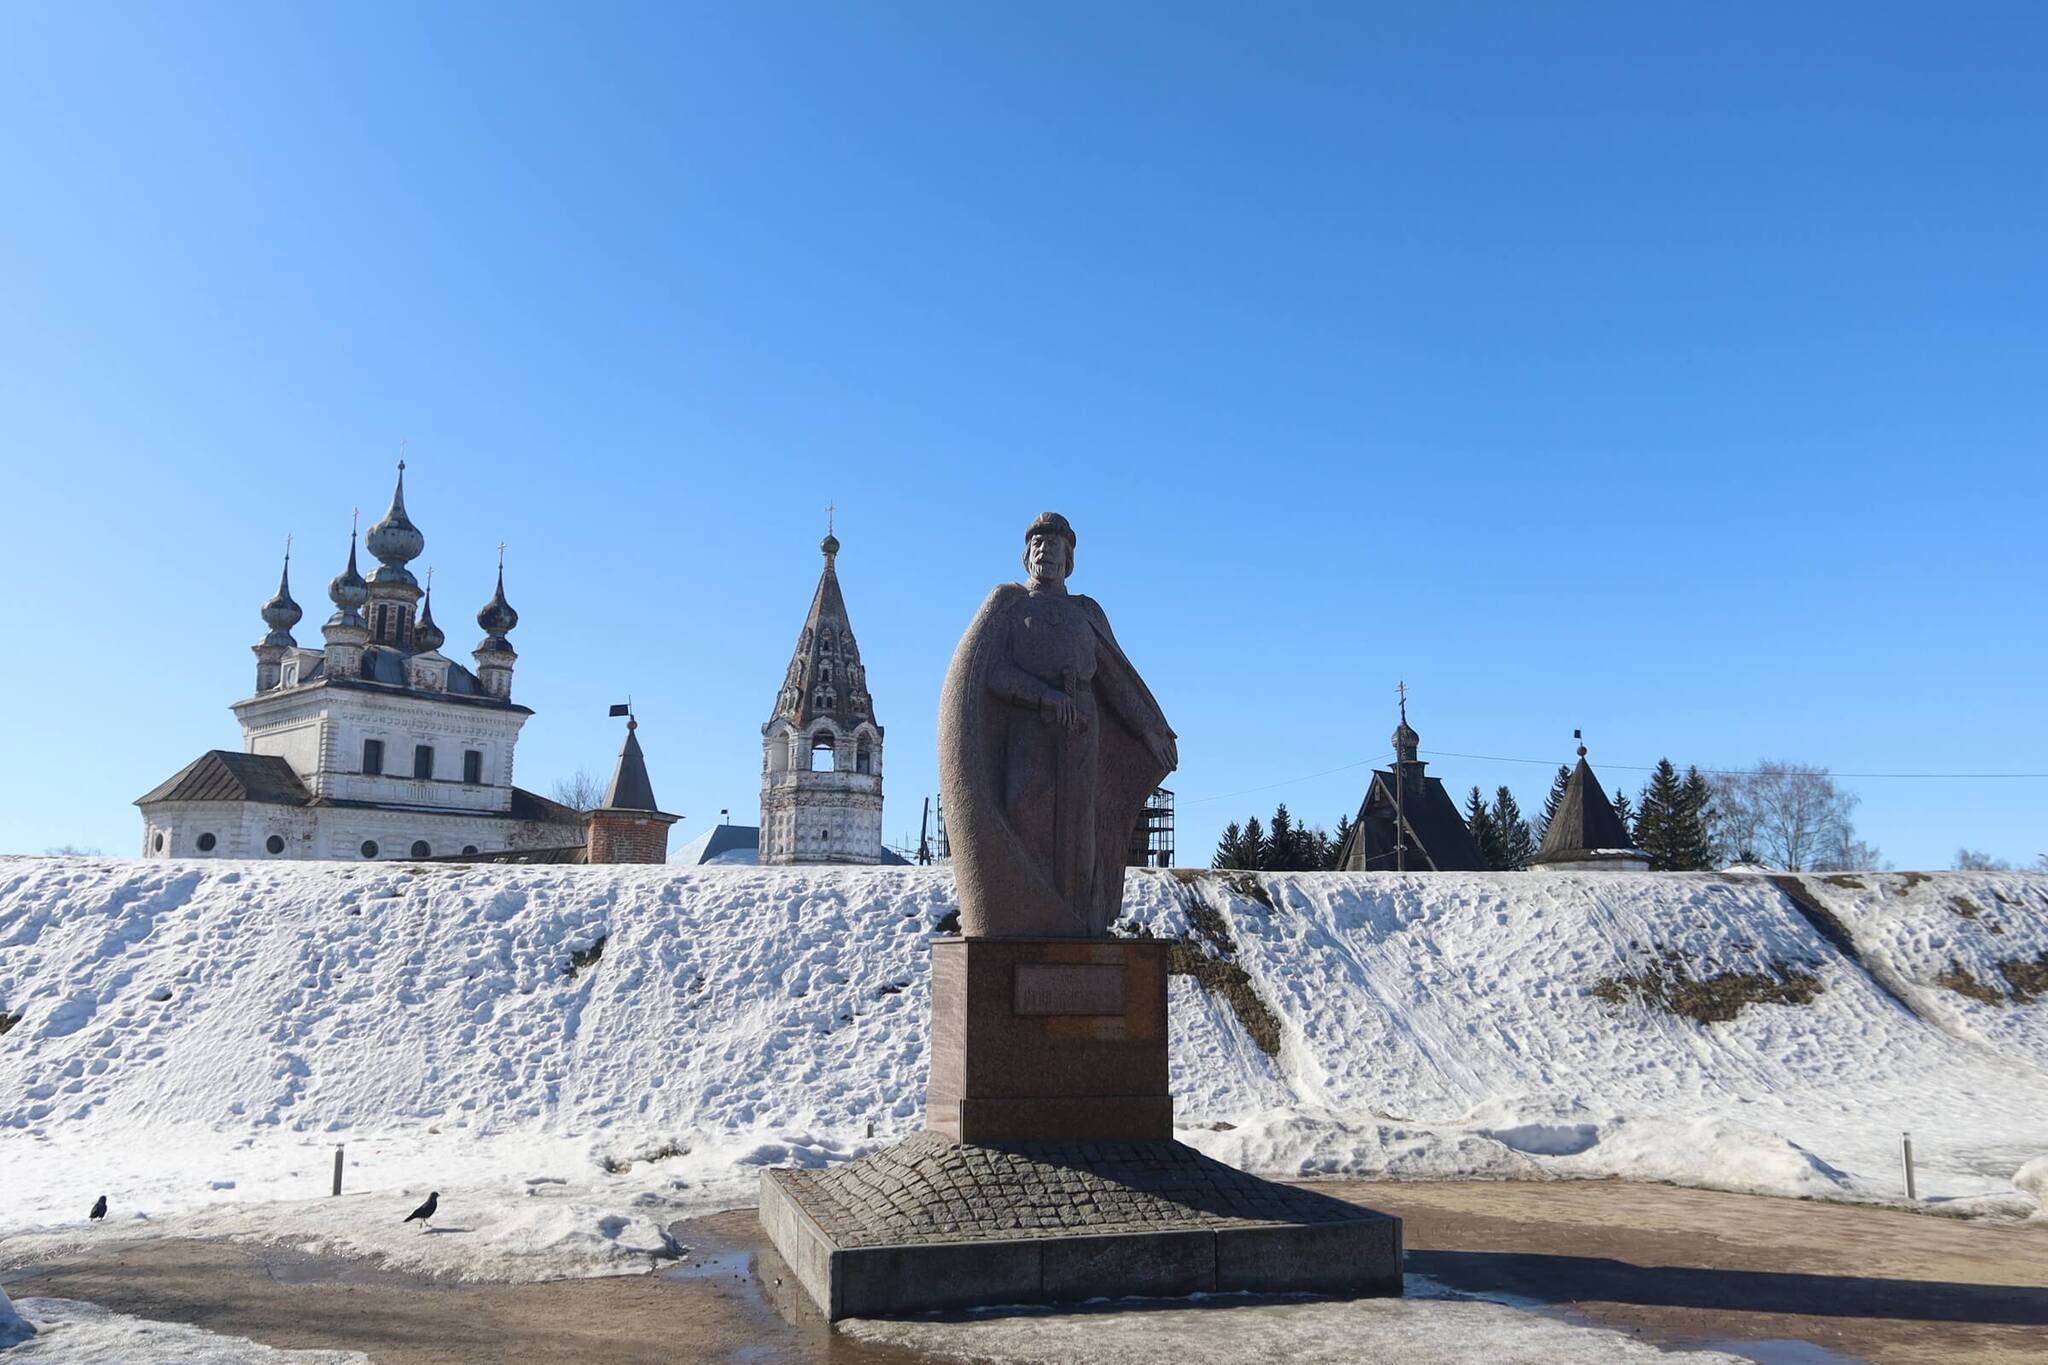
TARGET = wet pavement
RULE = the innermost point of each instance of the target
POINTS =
(1783, 1282)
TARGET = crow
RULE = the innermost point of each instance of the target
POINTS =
(99, 1209)
(425, 1212)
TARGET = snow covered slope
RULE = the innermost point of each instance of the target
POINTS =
(587, 1050)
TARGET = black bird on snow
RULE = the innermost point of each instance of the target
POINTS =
(425, 1212)
(99, 1209)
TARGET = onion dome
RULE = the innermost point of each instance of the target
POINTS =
(395, 540)
(348, 591)
(830, 544)
(497, 617)
(426, 634)
(280, 613)
(1406, 741)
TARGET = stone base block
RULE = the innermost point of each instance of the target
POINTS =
(933, 1224)
(1049, 1039)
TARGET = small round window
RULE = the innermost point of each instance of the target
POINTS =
(157, 844)
(369, 848)
(420, 849)
(206, 843)
(275, 843)
(468, 849)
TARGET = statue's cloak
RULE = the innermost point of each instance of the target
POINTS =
(1005, 890)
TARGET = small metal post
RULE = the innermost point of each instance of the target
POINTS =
(1906, 1151)
(337, 1168)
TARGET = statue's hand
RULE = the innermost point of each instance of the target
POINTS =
(1060, 709)
(1161, 742)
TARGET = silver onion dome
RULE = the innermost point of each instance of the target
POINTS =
(280, 613)
(497, 615)
(426, 634)
(395, 540)
(348, 591)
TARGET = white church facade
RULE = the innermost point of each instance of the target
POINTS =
(376, 746)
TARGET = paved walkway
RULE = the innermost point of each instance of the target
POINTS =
(1694, 1267)
(1684, 1267)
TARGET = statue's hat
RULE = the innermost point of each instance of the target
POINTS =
(1052, 521)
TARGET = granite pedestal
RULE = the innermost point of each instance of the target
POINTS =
(1048, 1170)
(1048, 1039)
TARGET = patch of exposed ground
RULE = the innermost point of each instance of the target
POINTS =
(1959, 979)
(2027, 979)
(1208, 956)
(1667, 983)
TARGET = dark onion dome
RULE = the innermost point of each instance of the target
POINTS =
(1406, 741)
(426, 634)
(497, 617)
(348, 591)
(830, 544)
(395, 540)
(280, 613)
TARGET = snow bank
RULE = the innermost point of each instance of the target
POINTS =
(195, 1038)
(86, 1334)
(13, 1327)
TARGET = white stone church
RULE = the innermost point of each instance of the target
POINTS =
(377, 746)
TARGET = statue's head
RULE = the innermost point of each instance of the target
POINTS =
(1049, 548)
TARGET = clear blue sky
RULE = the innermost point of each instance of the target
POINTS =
(1675, 372)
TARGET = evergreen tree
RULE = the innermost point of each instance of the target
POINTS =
(1479, 820)
(1230, 847)
(1517, 841)
(1337, 839)
(1241, 846)
(1624, 812)
(1696, 823)
(1553, 801)
(1660, 817)
(1279, 851)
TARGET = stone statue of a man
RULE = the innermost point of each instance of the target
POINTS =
(1049, 744)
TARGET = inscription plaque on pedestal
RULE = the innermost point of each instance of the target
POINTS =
(1069, 988)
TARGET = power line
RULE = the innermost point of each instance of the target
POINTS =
(1727, 772)
(1619, 767)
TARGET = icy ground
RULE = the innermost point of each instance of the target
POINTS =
(193, 1040)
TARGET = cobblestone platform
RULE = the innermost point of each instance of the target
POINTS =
(930, 1223)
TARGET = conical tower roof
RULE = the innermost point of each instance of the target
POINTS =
(825, 677)
(630, 789)
(1585, 825)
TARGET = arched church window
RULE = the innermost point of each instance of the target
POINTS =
(862, 761)
(821, 743)
(468, 849)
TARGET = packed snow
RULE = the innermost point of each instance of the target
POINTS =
(13, 1326)
(86, 1334)
(577, 1057)
(1419, 1329)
